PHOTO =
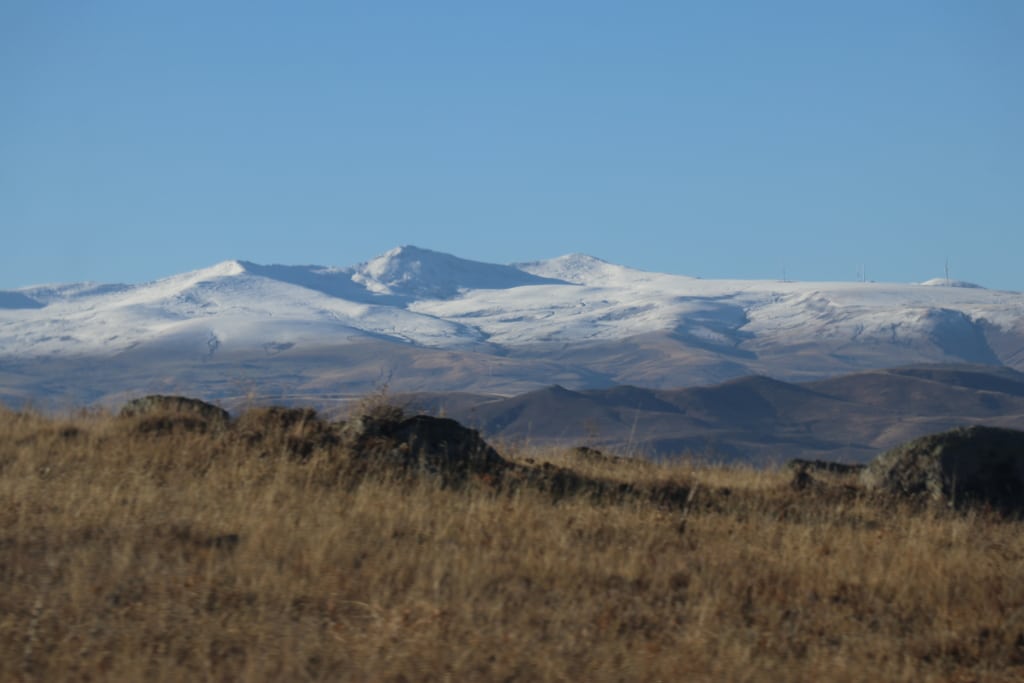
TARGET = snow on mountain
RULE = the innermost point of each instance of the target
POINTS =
(418, 273)
(871, 310)
(229, 306)
(944, 282)
(581, 269)
(424, 299)
(612, 302)
(578, 269)
(44, 294)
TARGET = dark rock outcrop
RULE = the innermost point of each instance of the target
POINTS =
(173, 404)
(445, 448)
(972, 465)
(423, 443)
(160, 414)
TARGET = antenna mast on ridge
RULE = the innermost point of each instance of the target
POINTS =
(947, 271)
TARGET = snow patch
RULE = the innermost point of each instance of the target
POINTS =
(582, 269)
(943, 282)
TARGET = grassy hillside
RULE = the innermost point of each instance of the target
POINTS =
(166, 549)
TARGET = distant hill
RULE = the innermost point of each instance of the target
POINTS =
(849, 418)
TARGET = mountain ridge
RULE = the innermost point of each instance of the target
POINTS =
(434, 321)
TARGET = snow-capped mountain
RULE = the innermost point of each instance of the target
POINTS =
(429, 320)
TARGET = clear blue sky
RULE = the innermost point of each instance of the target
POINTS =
(718, 139)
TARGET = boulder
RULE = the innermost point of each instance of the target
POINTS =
(190, 413)
(173, 404)
(433, 444)
(445, 448)
(968, 465)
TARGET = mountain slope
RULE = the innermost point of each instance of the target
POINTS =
(847, 418)
(416, 273)
(432, 321)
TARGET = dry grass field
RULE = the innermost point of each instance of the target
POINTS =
(134, 549)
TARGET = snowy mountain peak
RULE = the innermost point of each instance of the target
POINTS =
(224, 269)
(182, 281)
(418, 273)
(581, 269)
(399, 267)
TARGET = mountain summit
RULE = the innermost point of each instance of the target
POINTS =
(434, 321)
(417, 273)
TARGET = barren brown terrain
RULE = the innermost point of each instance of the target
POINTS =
(174, 548)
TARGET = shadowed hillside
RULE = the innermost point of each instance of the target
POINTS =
(756, 419)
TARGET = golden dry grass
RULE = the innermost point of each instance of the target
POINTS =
(132, 551)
